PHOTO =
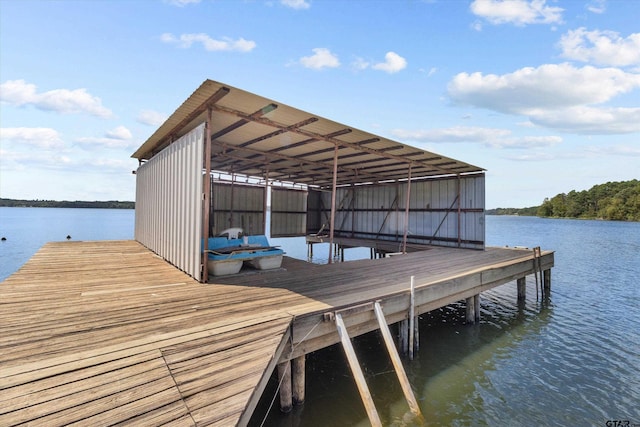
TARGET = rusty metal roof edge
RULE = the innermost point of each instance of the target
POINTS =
(198, 101)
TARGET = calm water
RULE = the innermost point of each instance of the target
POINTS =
(573, 359)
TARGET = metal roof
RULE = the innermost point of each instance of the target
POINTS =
(252, 135)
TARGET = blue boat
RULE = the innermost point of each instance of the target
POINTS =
(227, 255)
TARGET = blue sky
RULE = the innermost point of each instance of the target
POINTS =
(545, 95)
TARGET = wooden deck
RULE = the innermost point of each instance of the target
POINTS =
(101, 333)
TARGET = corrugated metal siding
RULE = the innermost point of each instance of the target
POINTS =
(378, 211)
(288, 212)
(169, 202)
(237, 205)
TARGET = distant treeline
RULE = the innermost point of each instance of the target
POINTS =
(618, 201)
(111, 204)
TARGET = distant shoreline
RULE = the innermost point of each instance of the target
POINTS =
(110, 204)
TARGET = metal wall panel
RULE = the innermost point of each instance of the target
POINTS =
(436, 214)
(237, 205)
(288, 212)
(169, 202)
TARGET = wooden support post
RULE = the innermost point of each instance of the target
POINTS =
(522, 288)
(547, 281)
(403, 336)
(284, 379)
(397, 363)
(298, 374)
(412, 319)
(416, 334)
(358, 376)
(470, 315)
(476, 307)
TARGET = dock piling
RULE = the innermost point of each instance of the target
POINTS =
(284, 379)
(403, 336)
(522, 288)
(476, 308)
(412, 318)
(470, 315)
(547, 281)
(298, 376)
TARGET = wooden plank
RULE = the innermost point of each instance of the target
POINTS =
(69, 336)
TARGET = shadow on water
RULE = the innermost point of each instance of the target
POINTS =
(452, 361)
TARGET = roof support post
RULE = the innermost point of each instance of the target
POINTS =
(206, 199)
(406, 213)
(265, 203)
(333, 201)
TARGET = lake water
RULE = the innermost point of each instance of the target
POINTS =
(570, 360)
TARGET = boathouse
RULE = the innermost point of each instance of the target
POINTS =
(138, 332)
(225, 152)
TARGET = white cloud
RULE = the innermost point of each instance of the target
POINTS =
(589, 120)
(490, 137)
(321, 58)
(597, 6)
(120, 132)
(34, 160)
(46, 138)
(120, 137)
(430, 72)
(392, 64)
(21, 93)
(151, 118)
(453, 134)
(544, 91)
(360, 64)
(555, 96)
(517, 12)
(296, 4)
(601, 47)
(212, 45)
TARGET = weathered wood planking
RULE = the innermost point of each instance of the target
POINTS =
(107, 332)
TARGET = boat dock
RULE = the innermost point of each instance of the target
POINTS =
(102, 333)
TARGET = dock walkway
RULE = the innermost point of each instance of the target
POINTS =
(101, 333)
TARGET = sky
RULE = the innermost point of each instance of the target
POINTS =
(543, 94)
